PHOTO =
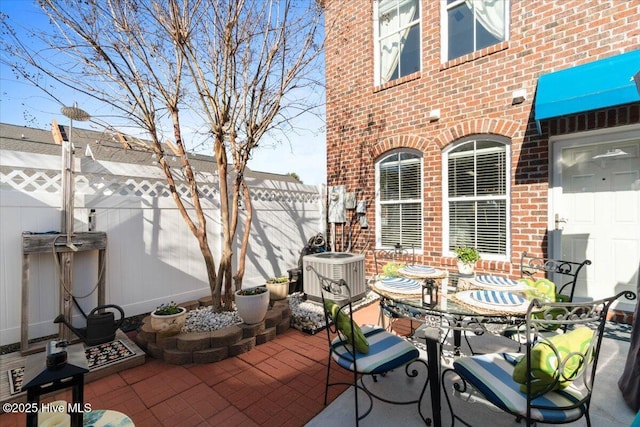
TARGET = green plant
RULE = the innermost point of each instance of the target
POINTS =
(167, 309)
(279, 279)
(467, 254)
(252, 291)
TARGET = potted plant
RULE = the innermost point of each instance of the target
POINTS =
(278, 287)
(467, 258)
(252, 304)
(168, 318)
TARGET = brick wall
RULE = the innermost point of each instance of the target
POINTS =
(473, 94)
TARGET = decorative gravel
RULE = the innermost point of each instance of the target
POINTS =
(204, 320)
(305, 315)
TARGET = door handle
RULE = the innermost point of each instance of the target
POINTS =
(560, 222)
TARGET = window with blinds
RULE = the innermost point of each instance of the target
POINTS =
(477, 196)
(399, 201)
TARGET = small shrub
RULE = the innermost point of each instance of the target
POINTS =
(467, 254)
(279, 279)
(167, 309)
(252, 291)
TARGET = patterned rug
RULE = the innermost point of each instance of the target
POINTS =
(97, 357)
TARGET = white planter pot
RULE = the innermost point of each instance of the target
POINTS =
(278, 291)
(465, 268)
(252, 308)
(169, 324)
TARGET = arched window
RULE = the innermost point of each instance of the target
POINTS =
(399, 199)
(476, 203)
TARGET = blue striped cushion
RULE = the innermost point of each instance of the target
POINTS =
(491, 375)
(386, 352)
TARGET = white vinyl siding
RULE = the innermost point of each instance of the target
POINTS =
(476, 203)
(399, 200)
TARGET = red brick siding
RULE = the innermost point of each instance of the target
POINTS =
(473, 94)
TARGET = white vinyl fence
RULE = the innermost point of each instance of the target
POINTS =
(152, 257)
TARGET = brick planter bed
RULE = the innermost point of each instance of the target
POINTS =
(208, 347)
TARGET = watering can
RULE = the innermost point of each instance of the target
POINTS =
(101, 326)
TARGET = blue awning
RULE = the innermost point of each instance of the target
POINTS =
(599, 84)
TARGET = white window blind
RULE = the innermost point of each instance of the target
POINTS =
(400, 200)
(477, 196)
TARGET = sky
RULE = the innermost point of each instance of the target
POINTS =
(302, 151)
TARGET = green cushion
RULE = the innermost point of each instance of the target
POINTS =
(343, 322)
(541, 288)
(544, 362)
(545, 289)
(391, 268)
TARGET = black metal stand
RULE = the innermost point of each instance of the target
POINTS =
(432, 336)
(40, 380)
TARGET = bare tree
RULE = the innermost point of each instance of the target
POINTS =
(241, 67)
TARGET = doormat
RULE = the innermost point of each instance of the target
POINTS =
(104, 354)
(97, 357)
(15, 380)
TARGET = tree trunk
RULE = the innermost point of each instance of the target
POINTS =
(224, 269)
(245, 236)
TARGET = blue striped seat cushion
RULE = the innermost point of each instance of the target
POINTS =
(386, 352)
(491, 375)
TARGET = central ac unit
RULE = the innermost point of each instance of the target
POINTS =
(334, 265)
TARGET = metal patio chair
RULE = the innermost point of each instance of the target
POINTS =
(552, 382)
(370, 351)
(381, 257)
(567, 273)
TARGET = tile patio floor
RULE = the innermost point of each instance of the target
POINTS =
(279, 383)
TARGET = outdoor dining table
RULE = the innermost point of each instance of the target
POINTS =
(462, 302)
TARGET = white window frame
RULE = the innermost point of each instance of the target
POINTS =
(444, 27)
(506, 197)
(376, 41)
(379, 203)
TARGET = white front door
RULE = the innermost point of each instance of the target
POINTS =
(595, 207)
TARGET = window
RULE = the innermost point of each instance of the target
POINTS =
(476, 206)
(399, 200)
(397, 33)
(471, 25)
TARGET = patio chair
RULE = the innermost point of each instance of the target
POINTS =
(397, 254)
(552, 382)
(567, 272)
(369, 351)
(383, 259)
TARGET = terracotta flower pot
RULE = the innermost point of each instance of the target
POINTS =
(252, 308)
(169, 324)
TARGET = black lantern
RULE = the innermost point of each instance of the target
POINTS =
(429, 292)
